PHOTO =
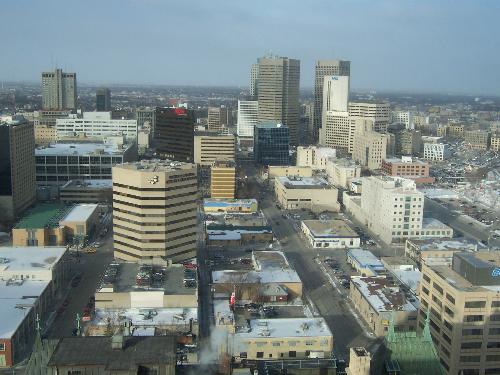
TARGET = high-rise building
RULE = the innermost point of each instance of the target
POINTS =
(463, 304)
(223, 179)
(339, 128)
(59, 90)
(314, 156)
(210, 146)
(219, 118)
(378, 112)
(325, 68)
(174, 133)
(271, 144)
(336, 94)
(248, 117)
(278, 93)
(370, 149)
(254, 79)
(103, 100)
(17, 167)
(154, 210)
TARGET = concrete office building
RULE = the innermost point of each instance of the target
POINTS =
(324, 68)
(45, 134)
(464, 309)
(370, 149)
(437, 251)
(211, 146)
(61, 162)
(378, 112)
(146, 118)
(59, 90)
(271, 144)
(341, 172)
(174, 133)
(495, 141)
(95, 125)
(248, 117)
(223, 179)
(254, 80)
(403, 117)
(103, 100)
(477, 139)
(17, 167)
(154, 210)
(219, 118)
(339, 129)
(314, 156)
(48, 117)
(278, 93)
(437, 151)
(88, 191)
(407, 167)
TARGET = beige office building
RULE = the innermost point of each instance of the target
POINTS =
(495, 142)
(477, 139)
(59, 90)
(278, 92)
(45, 134)
(370, 149)
(378, 112)
(211, 146)
(219, 118)
(464, 307)
(314, 156)
(339, 129)
(17, 171)
(154, 210)
(223, 180)
(341, 172)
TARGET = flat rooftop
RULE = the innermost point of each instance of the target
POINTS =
(381, 294)
(285, 327)
(330, 228)
(402, 162)
(44, 215)
(256, 277)
(269, 259)
(80, 149)
(81, 212)
(304, 183)
(223, 203)
(147, 317)
(431, 223)
(29, 258)
(435, 244)
(93, 184)
(156, 165)
(365, 258)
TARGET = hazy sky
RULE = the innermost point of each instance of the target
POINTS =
(421, 45)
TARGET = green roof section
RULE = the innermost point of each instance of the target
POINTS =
(44, 215)
(410, 354)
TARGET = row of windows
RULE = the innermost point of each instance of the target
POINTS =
(78, 160)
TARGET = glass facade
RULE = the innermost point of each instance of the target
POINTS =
(271, 144)
(5, 162)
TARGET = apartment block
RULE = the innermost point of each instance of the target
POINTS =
(407, 167)
(370, 149)
(59, 90)
(314, 156)
(154, 210)
(341, 172)
(211, 146)
(464, 309)
(223, 179)
(477, 139)
(174, 133)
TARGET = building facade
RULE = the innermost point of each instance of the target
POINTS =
(223, 180)
(248, 117)
(211, 146)
(370, 148)
(436, 151)
(333, 234)
(174, 133)
(154, 210)
(314, 156)
(341, 172)
(271, 144)
(407, 167)
(146, 118)
(495, 142)
(219, 118)
(377, 112)
(477, 139)
(59, 90)
(103, 100)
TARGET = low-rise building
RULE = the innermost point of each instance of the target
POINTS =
(436, 151)
(45, 134)
(315, 194)
(378, 300)
(236, 235)
(364, 262)
(330, 233)
(314, 156)
(211, 205)
(341, 172)
(407, 167)
(86, 191)
(477, 139)
(275, 171)
(437, 251)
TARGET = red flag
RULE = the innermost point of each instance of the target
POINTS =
(232, 299)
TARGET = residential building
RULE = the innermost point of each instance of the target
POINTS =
(230, 205)
(146, 118)
(271, 144)
(463, 305)
(455, 131)
(86, 191)
(254, 80)
(25, 301)
(377, 112)
(314, 156)
(370, 149)
(341, 172)
(324, 68)
(407, 167)
(278, 93)
(174, 133)
(103, 100)
(59, 90)
(154, 210)
(334, 234)
(17, 167)
(248, 117)
(95, 125)
(438, 251)
(219, 118)
(436, 151)
(212, 146)
(223, 179)
(365, 263)
(495, 141)
(477, 139)
(378, 300)
(58, 163)
(315, 194)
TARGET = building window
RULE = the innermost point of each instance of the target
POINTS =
(448, 311)
(276, 344)
(426, 278)
(438, 288)
(473, 318)
(260, 354)
(471, 345)
(309, 343)
(492, 371)
(469, 371)
(494, 331)
(2, 347)
(470, 358)
(450, 298)
(493, 345)
(493, 358)
(472, 332)
(448, 325)
(475, 304)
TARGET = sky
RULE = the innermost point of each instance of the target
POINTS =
(422, 46)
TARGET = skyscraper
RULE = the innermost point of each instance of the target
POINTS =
(248, 117)
(325, 68)
(278, 93)
(219, 118)
(271, 144)
(103, 100)
(174, 133)
(254, 79)
(335, 93)
(17, 167)
(58, 90)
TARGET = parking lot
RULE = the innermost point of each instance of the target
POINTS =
(476, 211)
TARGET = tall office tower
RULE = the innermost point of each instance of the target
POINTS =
(325, 68)
(103, 100)
(223, 179)
(278, 93)
(254, 79)
(17, 167)
(339, 129)
(335, 94)
(379, 112)
(174, 135)
(248, 117)
(271, 145)
(219, 118)
(58, 90)
(154, 210)
(210, 146)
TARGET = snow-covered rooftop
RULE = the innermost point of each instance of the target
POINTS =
(365, 258)
(147, 317)
(286, 327)
(74, 149)
(81, 212)
(255, 277)
(304, 183)
(28, 260)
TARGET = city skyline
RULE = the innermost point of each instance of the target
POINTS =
(432, 53)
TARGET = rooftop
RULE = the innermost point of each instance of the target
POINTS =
(155, 165)
(222, 203)
(28, 259)
(80, 149)
(382, 294)
(285, 327)
(293, 182)
(405, 162)
(264, 260)
(44, 215)
(256, 277)
(146, 317)
(94, 184)
(329, 228)
(436, 244)
(431, 223)
(270, 125)
(80, 212)
(365, 259)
